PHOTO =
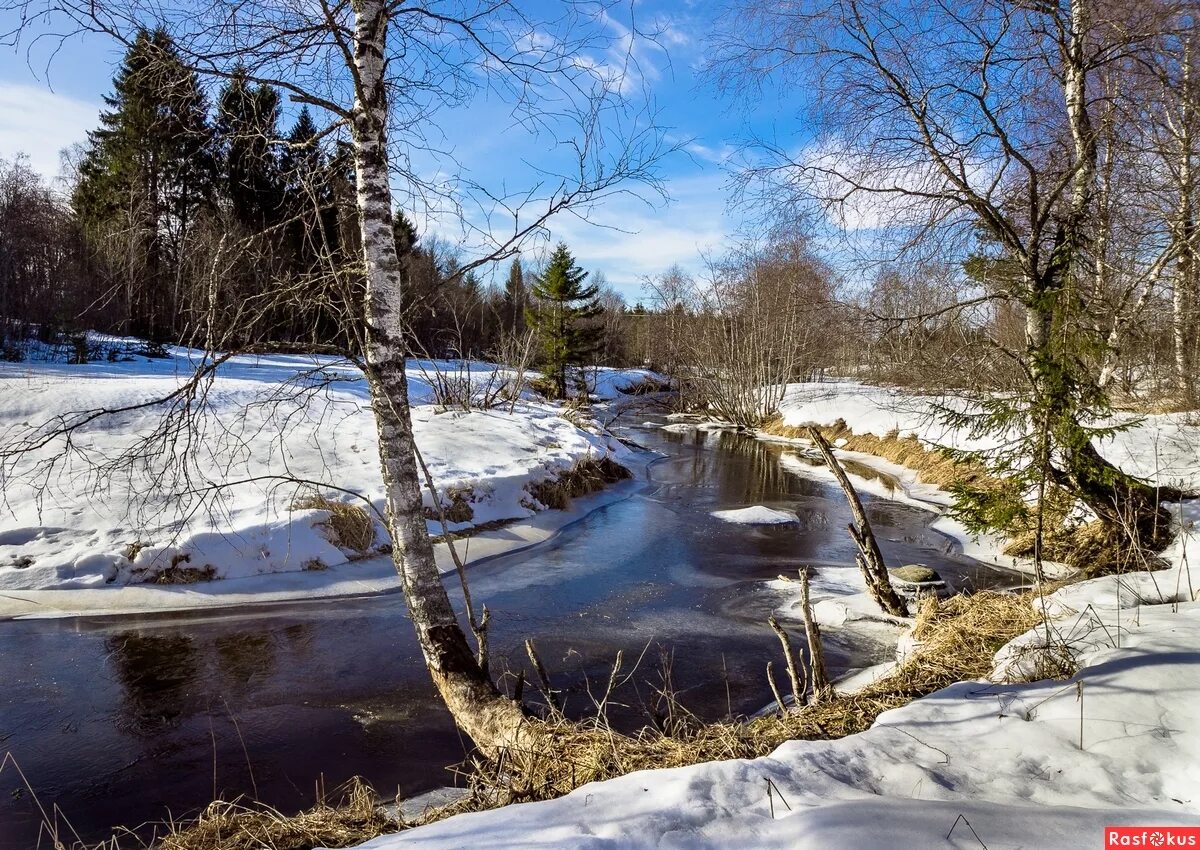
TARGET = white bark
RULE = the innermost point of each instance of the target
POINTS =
(490, 719)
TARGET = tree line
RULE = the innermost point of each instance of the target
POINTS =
(223, 225)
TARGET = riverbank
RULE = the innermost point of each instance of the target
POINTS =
(1008, 759)
(240, 499)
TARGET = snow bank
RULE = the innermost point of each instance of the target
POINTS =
(273, 431)
(756, 515)
(608, 384)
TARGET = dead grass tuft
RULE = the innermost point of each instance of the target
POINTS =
(1093, 548)
(180, 574)
(352, 819)
(351, 526)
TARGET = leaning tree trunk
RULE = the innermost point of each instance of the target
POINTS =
(492, 720)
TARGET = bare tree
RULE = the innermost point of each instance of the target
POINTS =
(381, 70)
(734, 340)
(960, 129)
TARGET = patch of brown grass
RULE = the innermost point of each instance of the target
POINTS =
(459, 509)
(583, 478)
(351, 526)
(933, 466)
(351, 820)
(179, 573)
(1093, 548)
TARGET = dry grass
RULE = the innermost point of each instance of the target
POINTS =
(933, 466)
(351, 820)
(1093, 548)
(351, 526)
(179, 573)
(459, 509)
(583, 478)
(958, 638)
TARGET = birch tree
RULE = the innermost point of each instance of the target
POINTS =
(383, 72)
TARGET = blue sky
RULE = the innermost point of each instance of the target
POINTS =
(49, 102)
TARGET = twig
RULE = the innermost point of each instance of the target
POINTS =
(963, 818)
(774, 687)
(816, 654)
(540, 669)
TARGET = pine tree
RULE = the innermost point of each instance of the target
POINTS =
(561, 310)
(147, 172)
(247, 125)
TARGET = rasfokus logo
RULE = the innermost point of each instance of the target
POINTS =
(1152, 836)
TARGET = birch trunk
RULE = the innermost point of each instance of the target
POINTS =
(491, 720)
(1185, 238)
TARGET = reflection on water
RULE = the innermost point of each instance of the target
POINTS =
(120, 720)
(156, 673)
(242, 656)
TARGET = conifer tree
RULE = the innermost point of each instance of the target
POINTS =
(562, 307)
(247, 125)
(515, 300)
(148, 170)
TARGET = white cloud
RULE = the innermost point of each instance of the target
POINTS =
(40, 123)
(650, 239)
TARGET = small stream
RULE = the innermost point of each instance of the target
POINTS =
(120, 721)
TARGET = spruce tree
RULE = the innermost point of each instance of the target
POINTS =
(247, 126)
(515, 300)
(148, 170)
(561, 310)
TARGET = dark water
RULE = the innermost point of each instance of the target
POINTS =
(119, 721)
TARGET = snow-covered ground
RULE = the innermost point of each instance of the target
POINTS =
(979, 764)
(271, 432)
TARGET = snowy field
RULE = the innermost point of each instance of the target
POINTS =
(992, 764)
(271, 433)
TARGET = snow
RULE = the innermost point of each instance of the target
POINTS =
(1163, 448)
(273, 431)
(756, 515)
(606, 383)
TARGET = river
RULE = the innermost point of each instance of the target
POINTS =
(121, 721)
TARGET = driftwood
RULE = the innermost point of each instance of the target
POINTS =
(816, 655)
(870, 559)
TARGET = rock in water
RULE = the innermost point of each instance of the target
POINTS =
(915, 574)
